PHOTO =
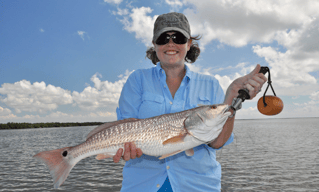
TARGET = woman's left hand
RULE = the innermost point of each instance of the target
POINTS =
(252, 81)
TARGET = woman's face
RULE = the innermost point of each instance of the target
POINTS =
(172, 54)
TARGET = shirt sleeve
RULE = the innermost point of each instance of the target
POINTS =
(131, 98)
(219, 95)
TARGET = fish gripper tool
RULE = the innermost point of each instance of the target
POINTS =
(243, 94)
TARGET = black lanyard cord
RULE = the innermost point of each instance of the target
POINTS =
(269, 84)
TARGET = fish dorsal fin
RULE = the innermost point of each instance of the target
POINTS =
(108, 125)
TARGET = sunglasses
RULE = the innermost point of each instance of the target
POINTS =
(177, 38)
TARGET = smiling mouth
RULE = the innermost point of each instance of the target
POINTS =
(171, 52)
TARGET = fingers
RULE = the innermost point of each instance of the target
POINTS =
(255, 83)
(254, 80)
(127, 152)
(133, 151)
(130, 152)
(255, 71)
(117, 157)
(139, 152)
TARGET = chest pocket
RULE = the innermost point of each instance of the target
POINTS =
(152, 105)
(200, 100)
(203, 100)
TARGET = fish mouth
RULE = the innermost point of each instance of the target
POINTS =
(226, 109)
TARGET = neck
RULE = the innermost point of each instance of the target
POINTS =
(174, 71)
(174, 76)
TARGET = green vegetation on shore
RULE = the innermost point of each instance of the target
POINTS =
(11, 125)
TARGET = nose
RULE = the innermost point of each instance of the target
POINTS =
(170, 42)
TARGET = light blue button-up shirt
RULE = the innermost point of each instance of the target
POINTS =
(146, 94)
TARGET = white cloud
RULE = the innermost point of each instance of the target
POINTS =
(113, 1)
(239, 22)
(104, 94)
(59, 116)
(141, 24)
(23, 96)
(83, 34)
(41, 30)
(286, 70)
(224, 80)
(310, 108)
(8, 118)
(175, 4)
(121, 12)
(4, 111)
(36, 97)
(315, 96)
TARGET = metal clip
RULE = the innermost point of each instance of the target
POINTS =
(236, 105)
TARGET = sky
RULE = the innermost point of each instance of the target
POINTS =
(67, 61)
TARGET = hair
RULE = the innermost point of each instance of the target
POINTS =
(190, 57)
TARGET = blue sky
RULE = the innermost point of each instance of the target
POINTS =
(68, 60)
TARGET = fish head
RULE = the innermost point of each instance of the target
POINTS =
(207, 122)
(216, 113)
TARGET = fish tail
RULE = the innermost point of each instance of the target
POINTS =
(59, 163)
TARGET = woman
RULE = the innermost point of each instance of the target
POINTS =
(171, 87)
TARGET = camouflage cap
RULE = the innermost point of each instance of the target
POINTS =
(171, 22)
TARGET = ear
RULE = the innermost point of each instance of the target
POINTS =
(189, 44)
(154, 44)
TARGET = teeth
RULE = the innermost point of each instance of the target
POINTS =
(171, 52)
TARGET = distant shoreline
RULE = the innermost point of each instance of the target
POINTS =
(11, 125)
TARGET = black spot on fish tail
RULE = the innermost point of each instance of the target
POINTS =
(65, 153)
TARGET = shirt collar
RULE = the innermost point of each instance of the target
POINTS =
(161, 71)
(188, 74)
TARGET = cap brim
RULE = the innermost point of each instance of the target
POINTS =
(170, 29)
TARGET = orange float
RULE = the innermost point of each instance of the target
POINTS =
(274, 105)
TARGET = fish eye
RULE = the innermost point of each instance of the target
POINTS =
(65, 153)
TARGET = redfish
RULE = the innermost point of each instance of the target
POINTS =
(161, 136)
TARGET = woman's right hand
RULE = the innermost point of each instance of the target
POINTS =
(130, 152)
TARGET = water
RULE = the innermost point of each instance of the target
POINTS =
(266, 155)
(272, 155)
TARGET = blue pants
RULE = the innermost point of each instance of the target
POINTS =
(166, 187)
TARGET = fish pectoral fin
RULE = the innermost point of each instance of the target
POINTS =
(177, 139)
(104, 156)
(189, 152)
(169, 154)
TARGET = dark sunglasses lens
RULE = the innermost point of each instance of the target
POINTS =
(162, 39)
(177, 38)
(180, 38)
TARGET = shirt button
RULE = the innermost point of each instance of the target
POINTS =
(164, 86)
(162, 72)
(158, 185)
(167, 167)
(171, 103)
